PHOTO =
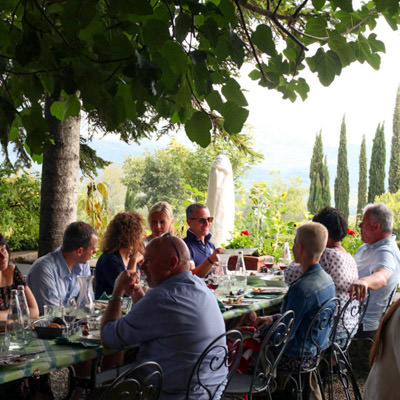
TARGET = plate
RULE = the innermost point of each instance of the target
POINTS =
(242, 303)
(269, 290)
(92, 337)
(17, 359)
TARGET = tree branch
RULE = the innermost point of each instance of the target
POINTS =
(250, 41)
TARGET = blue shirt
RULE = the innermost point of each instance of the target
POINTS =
(51, 281)
(382, 254)
(198, 251)
(108, 267)
(305, 296)
(173, 323)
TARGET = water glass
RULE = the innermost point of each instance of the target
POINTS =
(4, 338)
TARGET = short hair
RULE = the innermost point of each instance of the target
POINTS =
(78, 234)
(162, 207)
(3, 242)
(125, 230)
(313, 236)
(382, 214)
(191, 209)
(334, 221)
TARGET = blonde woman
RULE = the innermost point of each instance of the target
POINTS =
(161, 220)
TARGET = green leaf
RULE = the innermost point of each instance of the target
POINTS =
(318, 4)
(183, 25)
(214, 100)
(233, 92)
(316, 27)
(344, 50)
(57, 110)
(302, 88)
(72, 107)
(176, 58)
(392, 6)
(155, 32)
(236, 47)
(327, 65)
(345, 5)
(255, 74)
(262, 38)
(376, 45)
(234, 117)
(198, 129)
(13, 134)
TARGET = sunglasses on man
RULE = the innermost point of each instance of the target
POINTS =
(203, 220)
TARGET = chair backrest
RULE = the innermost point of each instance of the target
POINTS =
(271, 350)
(390, 299)
(141, 382)
(218, 361)
(318, 334)
(348, 321)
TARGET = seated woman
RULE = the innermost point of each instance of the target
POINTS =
(122, 248)
(10, 278)
(335, 260)
(384, 358)
(306, 295)
(161, 221)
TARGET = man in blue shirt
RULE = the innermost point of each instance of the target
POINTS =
(202, 251)
(378, 262)
(172, 323)
(53, 277)
(307, 294)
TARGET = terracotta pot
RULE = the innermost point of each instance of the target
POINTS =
(253, 263)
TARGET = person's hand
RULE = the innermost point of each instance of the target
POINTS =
(213, 257)
(261, 322)
(133, 260)
(125, 282)
(359, 288)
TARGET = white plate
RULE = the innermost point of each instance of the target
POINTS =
(16, 360)
(92, 337)
(243, 303)
(269, 290)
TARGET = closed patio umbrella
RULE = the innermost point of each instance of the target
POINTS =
(221, 199)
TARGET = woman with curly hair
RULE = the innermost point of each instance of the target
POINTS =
(161, 220)
(122, 248)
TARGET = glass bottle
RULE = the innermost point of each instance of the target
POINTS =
(240, 273)
(85, 304)
(14, 323)
(25, 313)
(286, 253)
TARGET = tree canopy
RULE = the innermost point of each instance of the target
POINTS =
(140, 66)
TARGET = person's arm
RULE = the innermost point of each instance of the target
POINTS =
(379, 278)
(205, 267)
(126, 283)
(32, 305)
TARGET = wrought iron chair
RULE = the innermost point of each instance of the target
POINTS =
(322, 323)
(142, 382)
(271, 350)
(347, 323)
(220, 359)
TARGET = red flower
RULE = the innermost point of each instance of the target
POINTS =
(350, 232)
(246, 232)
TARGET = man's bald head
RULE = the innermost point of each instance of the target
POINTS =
(164, 257)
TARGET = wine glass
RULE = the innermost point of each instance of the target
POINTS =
(283, 263)
(69, 313)
(268, 263)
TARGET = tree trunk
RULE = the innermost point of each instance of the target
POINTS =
(60, 172)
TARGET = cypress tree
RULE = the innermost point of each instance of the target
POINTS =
(362, 178)
(394, 168)
(318, 197)
(342, 187)
(326, 190)
(377, 166)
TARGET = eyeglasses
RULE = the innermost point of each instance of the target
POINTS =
(173, 245)
(203, 220)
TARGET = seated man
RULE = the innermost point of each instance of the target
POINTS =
(202, 251)
(173, 323)
(378, 262)
(306, 294)
(53, 277)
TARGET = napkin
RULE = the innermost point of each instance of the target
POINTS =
(221, 306)
(75, 342)
(104, 296)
